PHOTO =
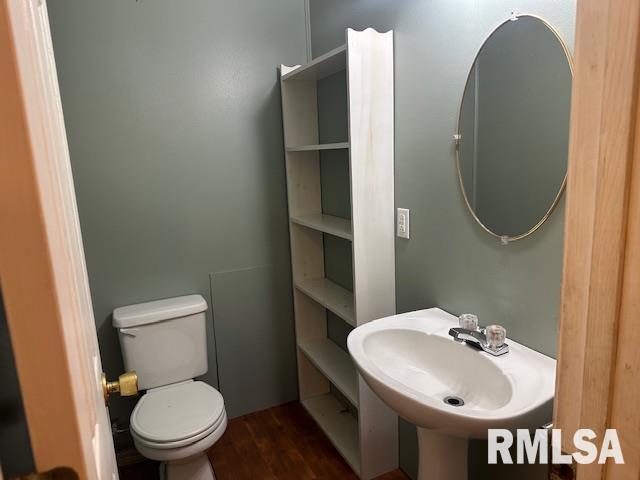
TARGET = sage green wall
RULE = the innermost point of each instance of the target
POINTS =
(174, 124)
(449, 261)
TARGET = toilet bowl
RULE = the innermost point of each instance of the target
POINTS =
(178, 418)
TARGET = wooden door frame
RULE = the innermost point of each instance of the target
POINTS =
(597, 383)
(42, 269)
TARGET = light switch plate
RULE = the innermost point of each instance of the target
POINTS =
(402, 223)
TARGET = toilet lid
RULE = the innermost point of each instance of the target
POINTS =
(177, 412)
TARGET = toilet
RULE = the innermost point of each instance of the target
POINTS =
(178, 418)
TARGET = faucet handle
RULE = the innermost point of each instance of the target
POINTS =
(496, 336)
(468, 321)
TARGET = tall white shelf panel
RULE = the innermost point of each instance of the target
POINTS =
(368, 440)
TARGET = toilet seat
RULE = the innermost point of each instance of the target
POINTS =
(177, 415)
(180, 443)
(181, 454)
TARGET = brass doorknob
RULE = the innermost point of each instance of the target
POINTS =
(126, 385)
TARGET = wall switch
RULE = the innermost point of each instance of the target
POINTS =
(402, 225)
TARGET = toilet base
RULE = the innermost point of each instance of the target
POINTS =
(197, 467)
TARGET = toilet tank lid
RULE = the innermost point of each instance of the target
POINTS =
(158, 310)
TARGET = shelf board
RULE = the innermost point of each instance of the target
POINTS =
(335, 364)
(331, 296)
(321, 146)
(337, 424)
(321, 67)
(336, 226)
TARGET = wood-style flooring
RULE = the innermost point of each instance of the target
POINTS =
(281, 443)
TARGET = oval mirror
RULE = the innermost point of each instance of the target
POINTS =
(513, 129)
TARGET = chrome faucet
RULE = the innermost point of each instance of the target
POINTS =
(490, 339)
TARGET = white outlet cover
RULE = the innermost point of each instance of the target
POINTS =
(402, 223)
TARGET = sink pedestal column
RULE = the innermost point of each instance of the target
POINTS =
(441, 457)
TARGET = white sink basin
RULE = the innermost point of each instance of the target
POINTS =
(413, 365)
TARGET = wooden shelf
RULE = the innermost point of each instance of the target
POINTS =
(336, 226)
(328, 381)
(320, 67)
(337, 424)
(335, 364)
(321, 146)
(331, 296)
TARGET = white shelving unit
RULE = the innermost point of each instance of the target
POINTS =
(331, 62)
(335, 364)
(336, 226)
(339, 425)
(325, 146)
(331, 296)
(367, 439)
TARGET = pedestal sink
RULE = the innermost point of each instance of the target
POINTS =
(450, 390)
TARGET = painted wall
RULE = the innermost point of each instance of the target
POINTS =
(175, 133)
(449, 261)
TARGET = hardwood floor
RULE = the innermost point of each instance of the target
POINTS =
(281, 443)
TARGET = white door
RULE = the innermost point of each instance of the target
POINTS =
(43, 276)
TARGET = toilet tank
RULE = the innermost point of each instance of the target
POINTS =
(164, 341)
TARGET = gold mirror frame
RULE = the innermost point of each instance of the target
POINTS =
(506, 239)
